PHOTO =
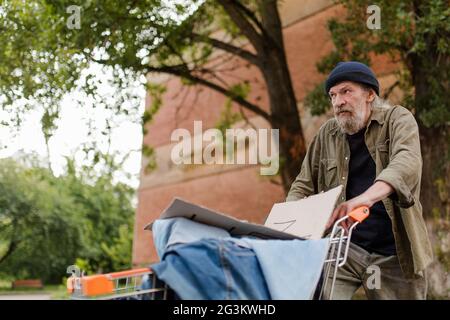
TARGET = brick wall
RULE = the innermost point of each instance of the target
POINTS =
(238, 190)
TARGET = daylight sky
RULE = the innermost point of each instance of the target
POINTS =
(72, 132)
(72, 125)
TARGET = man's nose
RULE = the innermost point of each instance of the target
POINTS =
(338, 101)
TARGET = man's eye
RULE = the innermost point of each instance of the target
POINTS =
(346, 91)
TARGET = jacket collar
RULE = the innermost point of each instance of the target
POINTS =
(378, 114)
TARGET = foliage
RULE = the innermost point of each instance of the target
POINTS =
(119, 251)
(140, 40)
(129, 39)
(228, 117)
(48, 222)
(413, 33)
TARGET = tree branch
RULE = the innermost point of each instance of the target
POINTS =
(12, 246)
(191, 107)
(246, 120)
(390, 89)
(271, 21)
(244, 54)
(214, 75)
(249, 13)
(179, 105)
(184, 72)
(243, 24)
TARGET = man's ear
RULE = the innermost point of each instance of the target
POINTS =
(370, 95)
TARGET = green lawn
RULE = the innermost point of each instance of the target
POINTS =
(57, 292)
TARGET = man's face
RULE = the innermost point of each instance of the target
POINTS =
(351, 105)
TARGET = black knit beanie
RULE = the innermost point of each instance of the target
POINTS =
(352, 71)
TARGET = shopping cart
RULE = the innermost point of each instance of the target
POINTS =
(142, 284)
(135, 284)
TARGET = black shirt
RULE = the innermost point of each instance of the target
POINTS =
(375, 233)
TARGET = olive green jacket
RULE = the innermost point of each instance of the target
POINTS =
(392, 138)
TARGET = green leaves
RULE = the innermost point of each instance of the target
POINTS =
(228, 117)
(51, 221)
(119, 252)
(38, 223)
(317, 101)
(417, 32)
(240, 90)
(149, 154)
(42, 58)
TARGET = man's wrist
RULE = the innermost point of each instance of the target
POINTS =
(378, 191)
(367, 199)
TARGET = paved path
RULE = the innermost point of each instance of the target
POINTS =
(39, 296)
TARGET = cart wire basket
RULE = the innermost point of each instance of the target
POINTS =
(142, 284)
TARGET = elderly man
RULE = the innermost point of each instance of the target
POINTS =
(373, 150)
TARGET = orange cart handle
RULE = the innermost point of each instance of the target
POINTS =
(127, 273)
(100, 284)
(360, 213)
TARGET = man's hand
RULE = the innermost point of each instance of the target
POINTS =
(346, 207)
(378, 191)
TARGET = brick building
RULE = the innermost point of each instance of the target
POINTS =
(238, 190)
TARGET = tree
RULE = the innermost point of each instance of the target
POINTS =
(106, 213)
(38, 225)
(136, 38)
(48, 223)
(415, 35)
(35, 71)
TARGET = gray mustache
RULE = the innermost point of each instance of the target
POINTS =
(343, 110)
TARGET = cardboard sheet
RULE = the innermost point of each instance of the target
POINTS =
(301, 219)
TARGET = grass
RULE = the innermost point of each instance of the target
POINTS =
(56, 292)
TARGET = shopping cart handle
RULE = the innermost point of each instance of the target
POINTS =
(128, 273)
(360, 213)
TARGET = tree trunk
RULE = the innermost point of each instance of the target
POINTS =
(435, 147)
(285, 117)
(435, 142)
(435, 172)
(11, 248)
(436, 205)
(283, 104)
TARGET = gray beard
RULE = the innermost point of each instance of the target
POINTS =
(350, 125)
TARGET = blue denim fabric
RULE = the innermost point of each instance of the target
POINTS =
(212, 269)
(291, 268)
(168, 232)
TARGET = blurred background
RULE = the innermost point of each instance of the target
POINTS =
(91, 91)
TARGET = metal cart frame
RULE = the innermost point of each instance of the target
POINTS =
(129, 284)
